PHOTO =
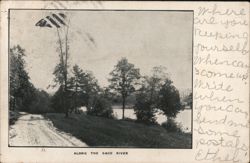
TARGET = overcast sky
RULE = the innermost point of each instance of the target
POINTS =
(98, 39)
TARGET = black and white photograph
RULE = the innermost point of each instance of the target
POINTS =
(100, 78)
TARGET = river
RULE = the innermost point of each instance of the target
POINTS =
(183, 118)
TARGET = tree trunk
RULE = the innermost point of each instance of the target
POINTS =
(123, 106)
(65, 100)
(75, 96)
(66, 110)
(66, 71)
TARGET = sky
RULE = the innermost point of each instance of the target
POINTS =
(98, 39)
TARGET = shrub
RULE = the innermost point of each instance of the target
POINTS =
(13, 116)
(171, 125)
(100, 106)
(144, 110)
(169, 99)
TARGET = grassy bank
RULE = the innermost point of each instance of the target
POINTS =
(97, 131)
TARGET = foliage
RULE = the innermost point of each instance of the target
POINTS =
(90, 87)
(13, 116)
(189, 100)
(83, 85)
(41, 103)
(100, 106)
(82, 88)
(144, 107)
(147, 97)
(171, 125)
(21, 89)
(61, 69)
(123, 79)
(75, 87)
(57, 101)
(169, 99)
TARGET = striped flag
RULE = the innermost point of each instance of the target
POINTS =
(57, 20)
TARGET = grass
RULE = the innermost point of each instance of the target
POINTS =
(102, 132)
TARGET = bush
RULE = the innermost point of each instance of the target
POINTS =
(144, 110)
(13, 116)
(100, 106)
(171, 126)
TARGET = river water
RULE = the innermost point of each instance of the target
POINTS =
(183, 118)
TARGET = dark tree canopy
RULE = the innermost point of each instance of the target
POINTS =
(147, 96)
(100, 105)
(21, 89)
(57, 101)
(144, 107)
(156, 92)
(169, 99)
(75, 87)
(41, 102)
(83, 86)
(123, 79)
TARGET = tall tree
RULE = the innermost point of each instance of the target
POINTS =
(21, 89)
(123, 79)
(75, 84)
(61, 23)
(61, 69)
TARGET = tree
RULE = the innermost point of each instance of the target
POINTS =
(90, 88)
(75, 84)
(157, 92)
(189, 100)
(82, 87)
(21, 89)
(61, 23)
(147, 96)
(144, 107)
(41, 102)
(84, 90)
(123, 80)
(57, 102)
(169, 99)
(61, 69)
(154, 82)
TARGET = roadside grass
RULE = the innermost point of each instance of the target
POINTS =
(102, 132)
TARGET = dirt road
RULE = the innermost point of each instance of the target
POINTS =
(35, 130)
